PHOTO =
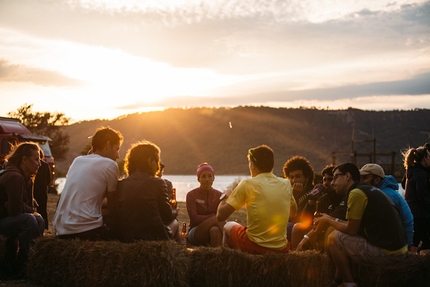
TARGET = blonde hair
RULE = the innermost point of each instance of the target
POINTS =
(413, 156)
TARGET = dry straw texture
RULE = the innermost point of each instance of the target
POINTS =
(55, 262)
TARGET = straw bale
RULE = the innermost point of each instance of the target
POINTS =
(413, 271)
(228, 267)
(56, 262)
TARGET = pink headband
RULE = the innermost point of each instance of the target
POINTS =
(204, 167)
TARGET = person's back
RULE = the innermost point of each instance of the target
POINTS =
(80, 204)
(90, 180)
(390, 186)
(143, 208)
(380, 221)
(268, 200)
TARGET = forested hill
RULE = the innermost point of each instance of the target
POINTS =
(222, 136)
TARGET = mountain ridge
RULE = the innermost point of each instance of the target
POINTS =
(222, 136)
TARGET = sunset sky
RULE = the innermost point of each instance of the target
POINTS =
(102, 59)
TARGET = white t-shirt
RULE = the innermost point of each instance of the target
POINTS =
(79, 209)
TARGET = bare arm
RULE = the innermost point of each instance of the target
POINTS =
(350, 227)
(224, 211)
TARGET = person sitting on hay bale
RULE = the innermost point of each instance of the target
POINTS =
(299, 171)
(329, 202)
(269, 201)
(202, 204)
(18, 219)
(91, 179)
(373, 233)
(143, 209)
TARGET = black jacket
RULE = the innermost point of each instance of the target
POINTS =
(143, 209)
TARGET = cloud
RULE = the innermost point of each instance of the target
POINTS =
(230, 36)
(20, 73)
(416, 86)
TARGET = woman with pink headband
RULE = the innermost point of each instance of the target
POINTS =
(202, 204)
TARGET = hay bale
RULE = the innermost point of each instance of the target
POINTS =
(56, 262)
(413, 271)
(228, 267)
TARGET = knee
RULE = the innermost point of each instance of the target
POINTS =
(215, 232)
(228, 226)
(331, 239)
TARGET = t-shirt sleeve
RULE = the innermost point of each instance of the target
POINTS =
(357, 202)
(112, 176)
(237, 198)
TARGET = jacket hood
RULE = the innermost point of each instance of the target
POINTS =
(389, 181)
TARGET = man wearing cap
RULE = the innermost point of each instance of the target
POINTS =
(268, 200)
(372, 234)
(374, 174)
(202, 203)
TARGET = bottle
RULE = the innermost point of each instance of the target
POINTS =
(173, 201)
(184, 234)
(315, 192)
(317, 212)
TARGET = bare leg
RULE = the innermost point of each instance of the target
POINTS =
(216, 236)
(202, 232)
(297, 234)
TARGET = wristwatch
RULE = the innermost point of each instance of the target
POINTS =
(223, 196)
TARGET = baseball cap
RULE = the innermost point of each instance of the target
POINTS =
(372, 168)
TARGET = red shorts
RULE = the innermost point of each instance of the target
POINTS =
(238, 239)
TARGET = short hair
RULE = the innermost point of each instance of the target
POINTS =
(351, 168)
(104, 135)
(137, 157)
(328, 169)
(299, 163)
(414, 155)
(263, 158)
(19, 151)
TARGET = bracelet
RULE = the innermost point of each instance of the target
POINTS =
(306, 236)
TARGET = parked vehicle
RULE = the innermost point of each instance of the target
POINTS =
(13, 132)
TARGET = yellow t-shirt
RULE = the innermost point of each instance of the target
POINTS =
(267, 199)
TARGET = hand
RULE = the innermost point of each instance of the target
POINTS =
(321, 223)
(298, 188)
(301, 245)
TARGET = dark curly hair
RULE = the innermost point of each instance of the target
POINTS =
(299, 163)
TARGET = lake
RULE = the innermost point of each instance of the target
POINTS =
(182, 183)
(185, 183)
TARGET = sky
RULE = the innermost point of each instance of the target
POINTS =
(101, 59)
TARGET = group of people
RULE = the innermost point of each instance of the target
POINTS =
(354, 215)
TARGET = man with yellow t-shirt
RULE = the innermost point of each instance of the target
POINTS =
(268, 200)
(372, 234)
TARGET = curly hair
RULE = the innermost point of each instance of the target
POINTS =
(137, 157)
(328, 169)
(299, 163)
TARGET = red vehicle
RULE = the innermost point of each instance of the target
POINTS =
(12, 132)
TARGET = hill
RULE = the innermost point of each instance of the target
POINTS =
(222, 136)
